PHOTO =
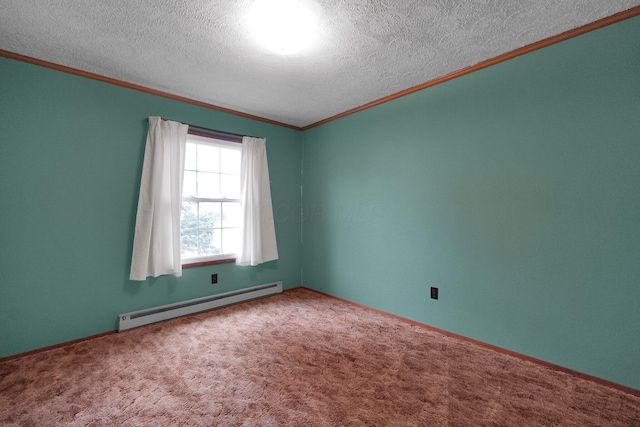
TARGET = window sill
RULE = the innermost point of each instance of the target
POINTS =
(210, 262)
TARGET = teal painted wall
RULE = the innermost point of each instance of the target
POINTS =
(515, 190)
(71, 154)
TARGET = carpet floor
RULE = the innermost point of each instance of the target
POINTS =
(296, 359)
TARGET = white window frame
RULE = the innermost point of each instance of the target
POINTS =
(211, 141)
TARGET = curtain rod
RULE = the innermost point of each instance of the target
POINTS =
(218, 134)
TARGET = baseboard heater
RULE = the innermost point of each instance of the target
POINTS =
(157, 314)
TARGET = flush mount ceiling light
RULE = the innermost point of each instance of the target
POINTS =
(283, 26)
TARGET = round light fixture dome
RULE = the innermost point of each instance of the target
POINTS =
(283, 26)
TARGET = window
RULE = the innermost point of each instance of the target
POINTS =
(207, 220)
(210, 209)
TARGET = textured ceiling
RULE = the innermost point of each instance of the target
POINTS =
(201, 49)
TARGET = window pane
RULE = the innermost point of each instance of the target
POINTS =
(230, 186)
(230, 214)
(209, 239)
(208, 158)
(230, 240)
(208, 185)
(209, 228)
(210, 215)
(230, 161)
(189, 229)
(189, 246)
(190, 157)
(189, 188)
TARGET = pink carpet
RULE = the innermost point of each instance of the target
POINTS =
(296, 359)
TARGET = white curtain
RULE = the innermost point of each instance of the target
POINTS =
(258, 235)
(156, 244)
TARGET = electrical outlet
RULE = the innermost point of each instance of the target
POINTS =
(214, 279)
(434, 293)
